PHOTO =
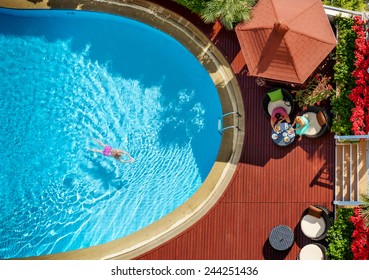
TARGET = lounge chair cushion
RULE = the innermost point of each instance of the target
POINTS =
(312, 227)
(315, 211)
(311, 252)
(275, 95)
(321, 118)
(280, 103)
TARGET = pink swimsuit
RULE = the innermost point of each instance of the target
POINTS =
(107, 150)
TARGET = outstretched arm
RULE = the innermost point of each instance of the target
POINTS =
(279, 121)
(131, 159)
(126, 161)
(294, 124)
(99, 142)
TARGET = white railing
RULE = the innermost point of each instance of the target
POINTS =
(352, 137)
(333, 12)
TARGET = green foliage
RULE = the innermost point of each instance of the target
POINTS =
(229, 12)
(364, 212)
(345, 81)
(341, 108)
(345, 53)
(339, 236)
(317, 90)
(353, 5)
(196, 6)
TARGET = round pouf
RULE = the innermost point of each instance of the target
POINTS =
(312, 252)
(281, 237)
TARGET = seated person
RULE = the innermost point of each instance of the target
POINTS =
(279, 115)
(302, 125)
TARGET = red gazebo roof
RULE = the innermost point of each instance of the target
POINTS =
(286, 40)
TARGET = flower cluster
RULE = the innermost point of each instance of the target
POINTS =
(360, 243)
(360, 93)
(316, 91)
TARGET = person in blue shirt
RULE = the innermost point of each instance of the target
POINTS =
(302, 125)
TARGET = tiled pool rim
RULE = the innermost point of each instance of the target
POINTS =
(229, 154)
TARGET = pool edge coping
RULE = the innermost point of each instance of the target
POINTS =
(209, 193)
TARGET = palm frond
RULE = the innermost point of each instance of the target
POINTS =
(229, 12)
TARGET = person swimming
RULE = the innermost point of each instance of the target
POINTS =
(110, 151)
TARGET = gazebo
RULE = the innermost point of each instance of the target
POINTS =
(286, 40)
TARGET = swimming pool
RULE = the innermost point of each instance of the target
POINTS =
(68, 76)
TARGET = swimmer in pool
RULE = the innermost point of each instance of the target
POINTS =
(109, 151)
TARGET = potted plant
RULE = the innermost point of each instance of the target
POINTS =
(318, 89)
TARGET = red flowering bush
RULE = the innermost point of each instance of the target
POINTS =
(360, 93)
(360, 243)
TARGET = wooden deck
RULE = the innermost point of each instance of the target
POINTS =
(272, 185)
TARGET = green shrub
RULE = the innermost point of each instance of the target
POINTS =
(345, 53)
(196, 6)
(365, 209)
(339, 236)
(353, 5)
(341, 109)
(345, 81)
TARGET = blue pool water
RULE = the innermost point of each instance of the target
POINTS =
(69, 76)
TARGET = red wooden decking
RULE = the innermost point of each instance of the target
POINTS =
(272, 185)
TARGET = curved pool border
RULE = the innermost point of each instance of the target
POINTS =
(186, 215)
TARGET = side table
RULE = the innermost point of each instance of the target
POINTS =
(281, 237)
(285, 135)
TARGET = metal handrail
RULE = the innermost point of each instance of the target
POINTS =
(228, 127)
(230, 113)
(220, 122)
